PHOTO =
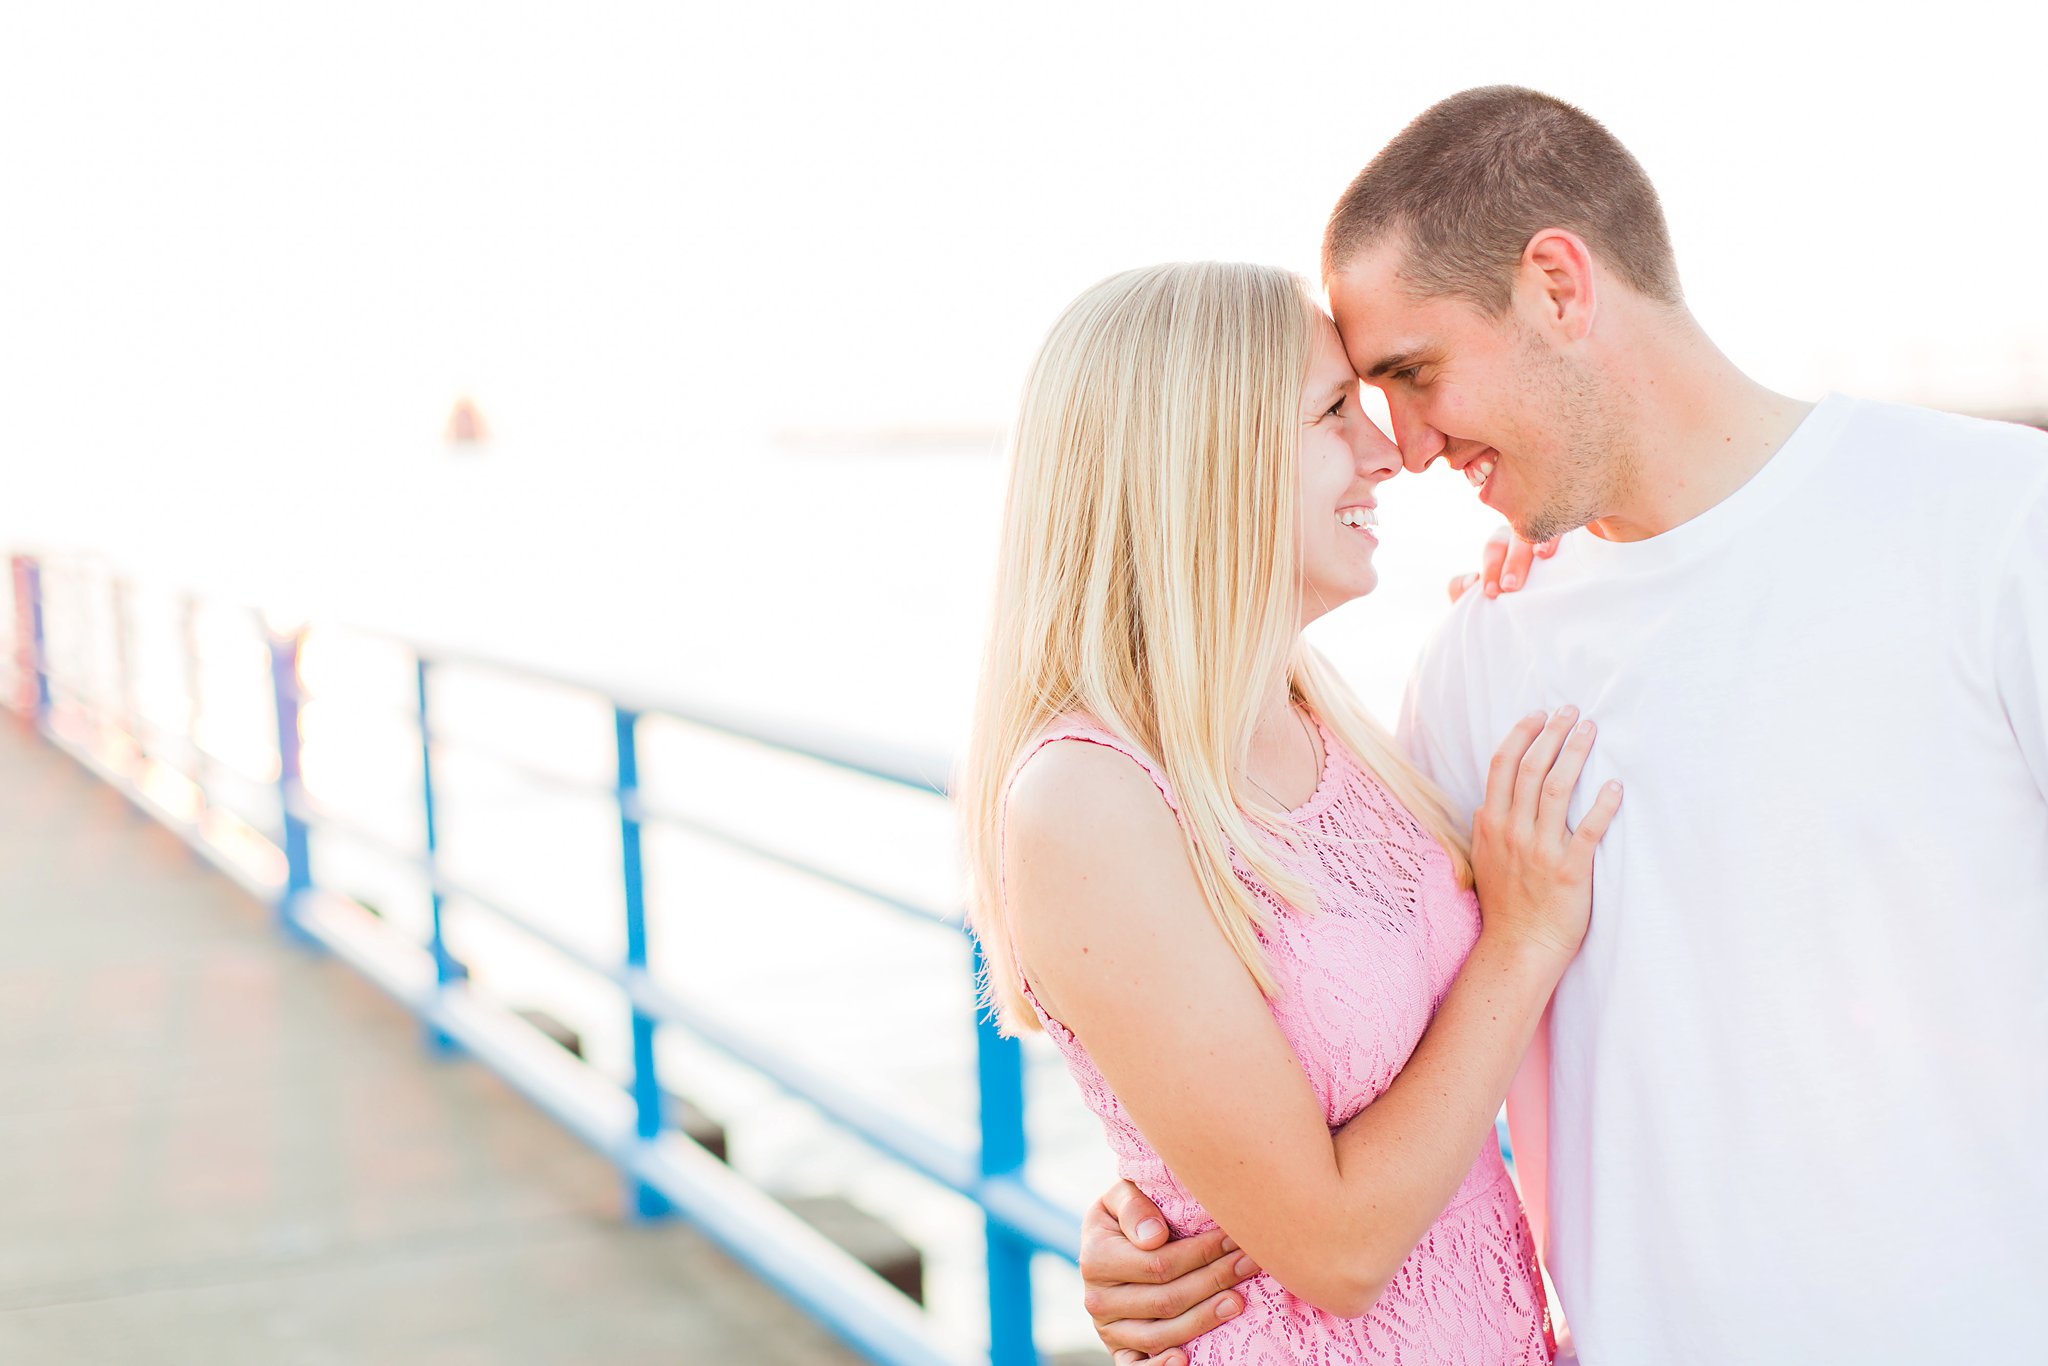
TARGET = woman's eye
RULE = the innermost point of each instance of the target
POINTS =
(1337, 407)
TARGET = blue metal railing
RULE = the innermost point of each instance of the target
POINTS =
(664, 1173)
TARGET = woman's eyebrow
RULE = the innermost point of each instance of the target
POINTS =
(1329, 394)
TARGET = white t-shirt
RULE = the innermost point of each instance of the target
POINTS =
(1798, 1093)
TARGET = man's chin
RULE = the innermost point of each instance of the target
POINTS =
(1544, 524)
(1520, 522)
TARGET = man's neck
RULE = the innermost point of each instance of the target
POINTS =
(1701, 430)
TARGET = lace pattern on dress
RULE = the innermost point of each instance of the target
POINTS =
(1358, 983)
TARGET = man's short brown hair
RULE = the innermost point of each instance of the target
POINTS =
(1474, 177)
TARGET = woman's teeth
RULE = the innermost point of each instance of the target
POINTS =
(1479, 471)
(1363, 518)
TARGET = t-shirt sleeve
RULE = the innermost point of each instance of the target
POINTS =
(1437, 714)
(2020, 646)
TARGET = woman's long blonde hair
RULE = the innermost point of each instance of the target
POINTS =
(1148, 577)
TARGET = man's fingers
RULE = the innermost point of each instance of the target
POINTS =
(1154, 1340)
(1545, 549)
(1461, 584)
(1136, 1215)
(1173, 1356)
(1111, 1265)
(1189, 1291)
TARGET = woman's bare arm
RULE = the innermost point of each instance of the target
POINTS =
(1119, 945)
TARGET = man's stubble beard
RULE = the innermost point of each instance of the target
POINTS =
(1596, 466)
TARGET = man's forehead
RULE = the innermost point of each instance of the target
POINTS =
(1378, 321)
(1375, 266)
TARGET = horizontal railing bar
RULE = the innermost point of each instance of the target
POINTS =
(317, 817)
(904, 765)
(942, 1162)
(403, 716)
(601, 1112)
(1007, 1200)
(408, 719)
(147, 733)
(92, 701)
(732, 840)
(1029, 1216)
(462, 751)
(150, 734)
(770, 1240)
(149, 806)
(318, 820)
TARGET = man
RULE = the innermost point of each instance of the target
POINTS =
(1797, 1078)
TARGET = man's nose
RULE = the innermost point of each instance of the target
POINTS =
(1420, 443)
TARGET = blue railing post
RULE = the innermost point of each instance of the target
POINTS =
(1000, 1078)
(646, 1202)
(38, 646)
(298, 859)
(444, 965)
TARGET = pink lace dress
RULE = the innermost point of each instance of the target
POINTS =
(1358, 983)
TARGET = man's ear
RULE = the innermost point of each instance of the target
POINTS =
(1555, 286)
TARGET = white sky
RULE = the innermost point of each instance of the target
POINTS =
(271, 237)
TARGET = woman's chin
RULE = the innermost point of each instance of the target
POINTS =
(1326, 598)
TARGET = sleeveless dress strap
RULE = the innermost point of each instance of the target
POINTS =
(1082, 728)
(1077, 728)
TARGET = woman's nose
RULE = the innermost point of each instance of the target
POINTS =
(1375, 456)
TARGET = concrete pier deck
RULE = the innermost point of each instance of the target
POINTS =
(217, 1147)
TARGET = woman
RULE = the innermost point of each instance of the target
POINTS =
(1244, 920)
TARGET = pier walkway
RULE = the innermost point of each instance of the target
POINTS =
(216, 1147)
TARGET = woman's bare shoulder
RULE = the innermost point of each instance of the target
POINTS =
(1079, 797)
(1100, 886)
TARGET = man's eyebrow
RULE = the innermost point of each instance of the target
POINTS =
(1397, 361)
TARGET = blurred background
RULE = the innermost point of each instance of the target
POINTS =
(744, 293)
(670, 347)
